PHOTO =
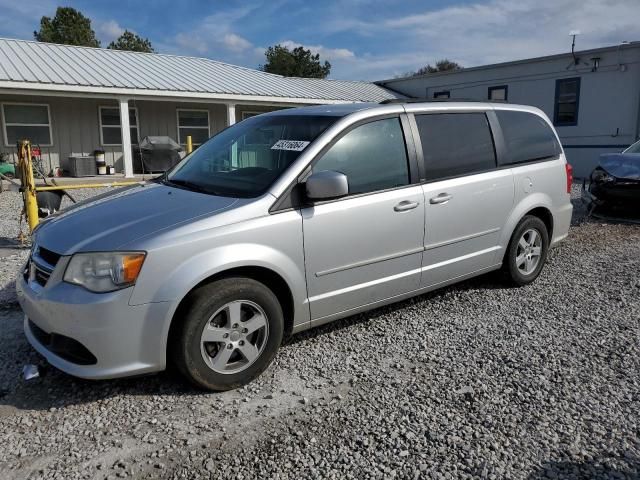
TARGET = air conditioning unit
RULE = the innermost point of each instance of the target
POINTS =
(82, 166)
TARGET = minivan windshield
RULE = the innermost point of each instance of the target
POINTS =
(246, 158)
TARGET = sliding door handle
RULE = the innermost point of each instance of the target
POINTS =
(442, 198)
(405, 205)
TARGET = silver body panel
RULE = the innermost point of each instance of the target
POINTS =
(337, 257)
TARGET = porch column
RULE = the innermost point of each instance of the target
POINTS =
(126, 137)
(231, 114)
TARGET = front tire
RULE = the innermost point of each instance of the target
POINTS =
(231, 330)
(527, 251)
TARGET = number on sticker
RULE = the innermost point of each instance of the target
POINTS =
(293, 145)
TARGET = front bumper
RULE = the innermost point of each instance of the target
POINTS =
(122, 339)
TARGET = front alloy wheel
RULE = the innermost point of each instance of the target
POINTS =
(234, 337)
(227, 333)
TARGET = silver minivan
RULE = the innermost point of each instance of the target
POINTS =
(289, 220)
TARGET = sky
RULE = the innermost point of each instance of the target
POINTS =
(363, 39)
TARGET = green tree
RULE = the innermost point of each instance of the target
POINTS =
(132, 42)
(298, 62)
(69, 27)
(443, 65)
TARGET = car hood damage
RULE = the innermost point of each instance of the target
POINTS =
(614, 187)
(623, 166)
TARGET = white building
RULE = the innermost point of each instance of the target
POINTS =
(592, 97)
(76, 99)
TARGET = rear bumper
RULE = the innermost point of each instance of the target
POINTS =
(561, 223)
(114, 338)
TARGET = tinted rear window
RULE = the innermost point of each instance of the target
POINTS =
(455, 144)
(527, 137)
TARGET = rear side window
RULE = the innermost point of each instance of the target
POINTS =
(527, 137)
(372, 156)
(455, 144)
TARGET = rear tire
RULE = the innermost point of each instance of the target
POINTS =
(231, 330)
(527, 251)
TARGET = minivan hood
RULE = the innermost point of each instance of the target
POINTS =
(110, 221)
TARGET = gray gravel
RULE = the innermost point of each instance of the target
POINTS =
(474, 381)
(13, 252)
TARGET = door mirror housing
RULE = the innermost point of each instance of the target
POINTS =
(326, 185)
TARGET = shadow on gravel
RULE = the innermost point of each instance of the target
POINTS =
(598, 469)
(55, 389)
(488, 281)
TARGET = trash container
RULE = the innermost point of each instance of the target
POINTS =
(101, 163)
(158, 153)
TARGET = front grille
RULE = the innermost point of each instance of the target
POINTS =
(41, 265)
(48, 256)
(40, 276)
(63, 346)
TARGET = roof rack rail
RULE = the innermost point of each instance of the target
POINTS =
(436, 100)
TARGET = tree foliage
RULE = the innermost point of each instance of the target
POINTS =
(132, 42)
(444, 65)
(298, 62)
(69, 27)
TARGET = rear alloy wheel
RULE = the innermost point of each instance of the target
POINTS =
(527, 251)
(231, 330)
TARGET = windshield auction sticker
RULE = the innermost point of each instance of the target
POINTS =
(293, 145)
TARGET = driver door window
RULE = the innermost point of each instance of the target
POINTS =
(363, 249)
(372, 156)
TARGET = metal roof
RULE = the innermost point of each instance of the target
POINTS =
(46, 66)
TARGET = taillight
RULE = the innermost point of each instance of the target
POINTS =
(569, 170)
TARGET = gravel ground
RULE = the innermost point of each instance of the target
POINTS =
(11, 224)
(474, 381)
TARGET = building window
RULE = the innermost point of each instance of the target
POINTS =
(498, 94)
(248, 114)
(26, 122)
(567, 100)
(442, 94)
(110, 131)
(194, 123)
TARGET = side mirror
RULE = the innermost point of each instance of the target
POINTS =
(326, 185)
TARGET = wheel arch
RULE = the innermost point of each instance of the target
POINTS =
(538, 205)
(269, 278)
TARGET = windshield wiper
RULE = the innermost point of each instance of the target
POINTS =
(190, 186)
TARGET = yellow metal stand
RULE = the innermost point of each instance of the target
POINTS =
(28, 184)
(29, 188)
(189, 144)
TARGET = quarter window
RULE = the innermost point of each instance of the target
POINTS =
(372, 156)
(26, 122)
(455, 144)
(110, 130)
(194, 123)
(527, 137)
(567, 100)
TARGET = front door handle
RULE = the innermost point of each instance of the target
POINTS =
(442, 198)
(405, 205)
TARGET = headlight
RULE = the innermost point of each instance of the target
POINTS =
(104, 271)
(600, 176)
